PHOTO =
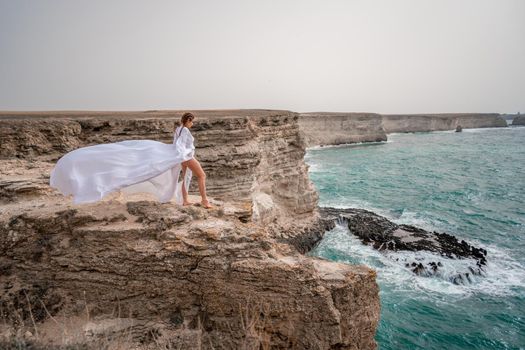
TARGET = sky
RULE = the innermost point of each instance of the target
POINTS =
(382, 56)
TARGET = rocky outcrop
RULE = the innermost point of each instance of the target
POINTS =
(323, 128)
(440, 122)
(519, 120)
(384, 235)
(184, 274)
(250, 156)
(130, 271)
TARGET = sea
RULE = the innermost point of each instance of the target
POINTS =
(470, 184)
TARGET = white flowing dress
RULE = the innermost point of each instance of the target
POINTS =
(147, 166)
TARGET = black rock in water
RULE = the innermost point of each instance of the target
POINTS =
(459, 128)
(383, 234)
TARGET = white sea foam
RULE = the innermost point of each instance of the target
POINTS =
(477, 130)
(504, 273)
(343, 202)
(413, 218)
(468, 130)
(353, 144)
(405, 218)
(314, 167)
(501, 276)
(421, 132)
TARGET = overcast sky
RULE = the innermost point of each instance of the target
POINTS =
(402, 56)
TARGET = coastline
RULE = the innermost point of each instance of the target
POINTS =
(324, 128)
(463, 184)
(261, 196)
(347, 144)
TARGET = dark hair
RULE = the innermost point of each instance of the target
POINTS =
(185, 117)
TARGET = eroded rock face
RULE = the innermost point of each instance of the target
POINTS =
(250, 156)
(325, 128)
(382, 234)
(203, 276)
(22, 179)
(132, 271)
(520, 120)
(440, 122)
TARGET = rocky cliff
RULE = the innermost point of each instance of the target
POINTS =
(322, 128)
(519, 120)
(131, 272)
(250, 156)
(440, 122)
(338, 128)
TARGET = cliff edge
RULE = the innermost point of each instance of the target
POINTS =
(322, 128)
(132, 272)
(440, 122)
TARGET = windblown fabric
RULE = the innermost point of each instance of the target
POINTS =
(89, 173)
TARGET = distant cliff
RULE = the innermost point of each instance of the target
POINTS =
(520, 120)
(321, 128)
(440, 122)
(338, 128)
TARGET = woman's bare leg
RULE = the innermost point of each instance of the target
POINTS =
(185, 200)
(196, 169)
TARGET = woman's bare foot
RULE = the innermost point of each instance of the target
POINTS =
(187, 203)
(206, 204)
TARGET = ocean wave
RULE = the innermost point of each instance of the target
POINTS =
(502, 275)
(422, 132)
(352, 144)
(466, 184)
(399, 216)
(509, 128)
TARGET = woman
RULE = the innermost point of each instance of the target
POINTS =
(89, 173)
(183, 132)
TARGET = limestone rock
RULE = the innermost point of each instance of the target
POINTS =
(222, 281)
(519, 120)
(323, 128)
(440, 122)
(128, 270)
(329, 128)
(245, 153)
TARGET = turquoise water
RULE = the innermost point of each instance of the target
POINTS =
(469, 184)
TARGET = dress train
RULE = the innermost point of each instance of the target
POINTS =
(90, 173)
